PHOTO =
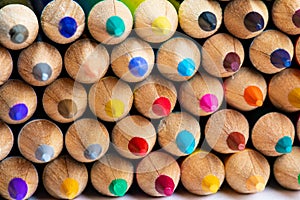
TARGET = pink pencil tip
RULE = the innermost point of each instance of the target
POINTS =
(209, 103)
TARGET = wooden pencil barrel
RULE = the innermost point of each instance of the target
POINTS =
(6, 140)
(6, 65)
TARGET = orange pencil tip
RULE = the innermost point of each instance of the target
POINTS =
(253, 96)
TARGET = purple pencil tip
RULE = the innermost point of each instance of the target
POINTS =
(17, 188)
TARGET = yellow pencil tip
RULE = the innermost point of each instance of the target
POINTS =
(161, 25)
(114, 108)
(210, 183)
(70, 188)
(256, 183)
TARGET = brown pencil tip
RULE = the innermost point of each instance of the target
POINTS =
(236, 141)
(67, 108)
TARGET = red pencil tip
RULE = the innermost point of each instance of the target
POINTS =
(164, 185)
(138, 146)
(161, 106)
(236, 141)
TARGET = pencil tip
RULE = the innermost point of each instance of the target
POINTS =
(44, 153)
(186, 67)
(67, 27)
(115, 26)
(210, 183)
(207, 21)
(118, 187)
(17, 188)
(18, 34)
(253, 21)
(256, 183)
(209, 103)
(70, 188)
(185, 142)
(67, 108)
(138, 146)
(161, 25)
(299, 179)
(92, 152)
(114, 108)
(42, 71)
(161, 106)
(164, 185)
(253, 96)
(18, 112)
(280, 58)
(232, 62)
(284, 145)
(296, 18)
(138, 66)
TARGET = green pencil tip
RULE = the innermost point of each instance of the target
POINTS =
(118, 187)
(115, 26)
(284, 145)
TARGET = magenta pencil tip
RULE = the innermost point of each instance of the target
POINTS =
(209, 103)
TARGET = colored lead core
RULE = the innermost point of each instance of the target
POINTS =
(296, 18)
(210, 183)
(161, 106)
(185, 142)
(253, 96)
(18, 34)
(67, 27)
(186, 67)
(118, 187)
(70, 188)
(18, 112)
(209, 103)
(294, 97)
(92, 151)
(17, 188)
(232, 62)
(161, 25)
(236, 141)
(253, 21)
(284, 145)
(280, 58)
(299, 179)
(114, 108)
(44, 153)
(164, 185)
(115, 26)
(256, 182)
(67, 108)
(207, 21)
(138, 146)
(42, 71)
(138, 66)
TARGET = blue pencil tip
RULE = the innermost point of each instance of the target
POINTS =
(18, 112)
(44, 153)
(253, 21)
(92, 152)
(138, 66)
(280, 58)
(185, 142)
(186, 67)
(67, 27)
(284, 145)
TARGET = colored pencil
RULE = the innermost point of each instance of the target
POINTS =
(297, 50)
(87, 140)
(133, 136)
(222, 55)
(271, 52)
(64, 100)
(114, 25)
(158, 174)
(273, 134)
(110, 99)
(19, 178)
(112, 175)
(286, 99)
(202, 173)
(247, 171)
(6, 140)
(287, 169)
(6, 65)
(227, 131)
(202, 95)
(68, 23)
(39, 64)
(246, 90)
(155, 97)
(86, 61)
(178, 133)
(18, 101)
(246, 18)
(200, 20)
(19, 24)
(132, 60)
(65, 178)
(178, 59)
(40, 141)
(154, 20)
(286, 16)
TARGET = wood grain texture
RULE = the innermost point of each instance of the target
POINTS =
(6, 65)
(6, 140)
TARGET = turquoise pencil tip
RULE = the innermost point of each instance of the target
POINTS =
(185, 142)
(186, 67)
(284, 145)
(115, 26)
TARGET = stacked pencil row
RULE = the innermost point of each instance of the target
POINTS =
(130, 89)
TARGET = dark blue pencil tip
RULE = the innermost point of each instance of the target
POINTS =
(186, 67)
(138, 66)
(280, 58)
(207, 21)
(67, 27)
(115, 26)
(18, 111)
(92, 152)
(44, 153)
(253, 21)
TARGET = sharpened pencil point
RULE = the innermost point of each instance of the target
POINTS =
(253, 96)
(18, 34)
(280, 58)
(161, 25)
(138, 146)
(253, 21)
(67, 27)
(18, 112)
(164, 185)
(17, 188)
(296, 18)
(207, 21)
(161, 106)
(211, 183)
(209, 103)
(70, 188)
(186, 67)
(118, 187)
(115, 26)
(284, 145)
(138, 66)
